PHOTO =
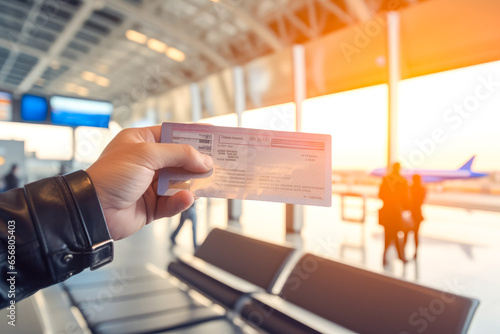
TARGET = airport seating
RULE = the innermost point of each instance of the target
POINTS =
(358, 300)
(136, 300)
(313, 295)
(225, 267)
(229, 265)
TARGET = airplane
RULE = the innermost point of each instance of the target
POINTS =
(437, 175)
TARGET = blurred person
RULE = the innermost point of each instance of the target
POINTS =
(56, 227)
(189, 213)
(394, 193)
(417, 197)
(62, 169)
(10, 180)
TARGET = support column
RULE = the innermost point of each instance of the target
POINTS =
(234, 206)
(239, 92)
(294, 214)
(194, 89)
(394, 74)
(196, 114)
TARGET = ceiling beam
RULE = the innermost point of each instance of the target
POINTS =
(337, 11)
(260, 29)
(164, 27)
(22, 49)
(282, 27)
(74, 67)
(74, 25)
(85, 63)
(359, 9)
(312, 17)
(106, 43)
(299, 24)
(14, 48)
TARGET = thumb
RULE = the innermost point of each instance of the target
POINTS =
(160, 155)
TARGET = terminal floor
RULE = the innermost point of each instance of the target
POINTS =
(459, 249)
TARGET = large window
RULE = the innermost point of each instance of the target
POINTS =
(357, 122)
(445, 118)
(279, 117)
(41, 141)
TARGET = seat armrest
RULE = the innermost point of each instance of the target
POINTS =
(301, 315)
(218, 274)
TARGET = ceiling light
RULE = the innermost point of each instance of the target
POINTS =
(89, 76)
(71, 87)
(156, 45)
(82, 91)
(175, 54)
(136, 36)
(102, 81)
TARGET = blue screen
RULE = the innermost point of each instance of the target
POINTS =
(80, 112)
(33, 108)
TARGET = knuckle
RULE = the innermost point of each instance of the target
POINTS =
(144, 147)
(139, 150)
(125, 133)
(188, 151)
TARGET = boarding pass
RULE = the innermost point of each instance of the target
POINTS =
(265, 165)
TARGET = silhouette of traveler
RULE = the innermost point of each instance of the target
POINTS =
(62, 169)
(190, 214)
(11, 181)
(417, 196)
(394, 193)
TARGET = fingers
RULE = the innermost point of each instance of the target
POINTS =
(156, 156)
(172, 205)
(155, 131)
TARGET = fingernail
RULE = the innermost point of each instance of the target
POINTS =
(182, 207)
(207, 161)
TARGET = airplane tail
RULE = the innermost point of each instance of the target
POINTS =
(468, 164)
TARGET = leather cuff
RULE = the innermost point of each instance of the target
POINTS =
(94, 224)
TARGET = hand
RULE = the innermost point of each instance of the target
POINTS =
(126, 178)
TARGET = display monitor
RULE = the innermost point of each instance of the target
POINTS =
(5, 106)
(80, 112)
(34, 108)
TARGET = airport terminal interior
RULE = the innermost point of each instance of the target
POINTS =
(321, 98)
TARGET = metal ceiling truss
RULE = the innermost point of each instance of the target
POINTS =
(290, 26)
(165, 27)
(299, 24)
(107, 43)
(213, 35)
(14, 48)
(81, 15)
(43, 25)
(152, 76)
(336, 10)
(261, 30)
(359, 10)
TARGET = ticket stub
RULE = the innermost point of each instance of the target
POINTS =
(265, 165)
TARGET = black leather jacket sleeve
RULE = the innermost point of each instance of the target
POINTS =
(47, 234)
